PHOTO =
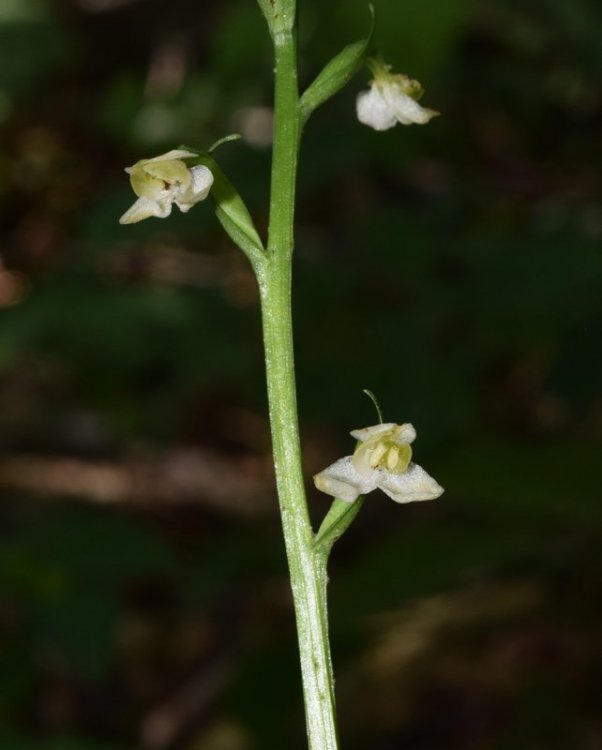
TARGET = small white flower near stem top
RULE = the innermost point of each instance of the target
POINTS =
(164, 180)
(382, 460)
(391, 99)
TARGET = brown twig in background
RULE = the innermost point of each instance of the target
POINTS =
(231, 486)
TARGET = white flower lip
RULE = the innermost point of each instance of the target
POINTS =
(164, 180)
(392, 99)
(380, 461)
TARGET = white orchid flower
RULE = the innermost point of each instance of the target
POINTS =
(382, 460)
(391, 99)
(164, 180)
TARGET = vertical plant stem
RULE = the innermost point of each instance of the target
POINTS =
(306, 566)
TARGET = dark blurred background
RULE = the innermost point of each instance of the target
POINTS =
(455, 269)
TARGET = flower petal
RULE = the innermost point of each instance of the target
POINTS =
(412, 486)
(373, 110)
(406, 110)
(341, 480)
(144, 208)
(175, 153)
(201, 182)
(366, 433)
(404, 434)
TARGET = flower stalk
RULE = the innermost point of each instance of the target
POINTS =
(307, 564)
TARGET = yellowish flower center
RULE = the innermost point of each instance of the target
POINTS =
(384, 453)
(150, 179)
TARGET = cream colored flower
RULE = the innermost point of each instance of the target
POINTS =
(391, 99)
(163, 181)
(382, 460)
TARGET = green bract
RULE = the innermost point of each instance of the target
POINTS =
(230, 208)
(336, 522)
(337, 74)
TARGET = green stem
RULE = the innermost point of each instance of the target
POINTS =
(306, 564)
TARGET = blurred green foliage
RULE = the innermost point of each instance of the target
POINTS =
(455, 270)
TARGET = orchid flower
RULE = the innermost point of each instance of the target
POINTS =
(391, 99)
(164, 180)
(381, 460)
